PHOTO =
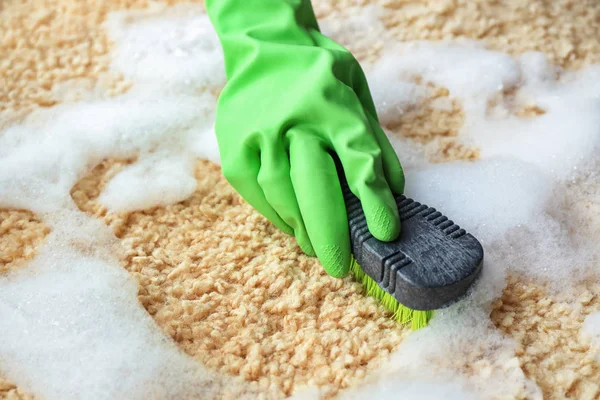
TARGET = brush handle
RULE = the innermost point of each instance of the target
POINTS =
(432, 263)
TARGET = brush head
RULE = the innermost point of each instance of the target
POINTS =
(432, 263)
(417, 319)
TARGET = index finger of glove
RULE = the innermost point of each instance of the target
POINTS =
(394, 173)
(392, 168)
(361, 158)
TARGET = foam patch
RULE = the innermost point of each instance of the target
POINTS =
(72, 324)
(75, 328)
(521, 199)
(176, 46)
(591, 329)
(156, 180)
(565, 137)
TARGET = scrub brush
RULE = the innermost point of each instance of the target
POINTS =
(430, 266)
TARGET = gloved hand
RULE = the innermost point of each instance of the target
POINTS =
(294, 102)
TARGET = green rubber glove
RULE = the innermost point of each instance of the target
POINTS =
(294, 102)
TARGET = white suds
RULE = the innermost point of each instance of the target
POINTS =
(72, 326)
(413, 390)
(55, 148)
(76, 329)
(355, 30)
(173, 47)
(393, 98)
(532, 199)
(519, 199)
(477, 77)
(152, 181)
(591, 329)
(166, 123)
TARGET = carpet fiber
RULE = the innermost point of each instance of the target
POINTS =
(263, 310)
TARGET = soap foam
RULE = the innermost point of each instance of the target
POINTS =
(72, 326)
(519, 199)
(466, 69)
(155, 180)
(531, 199)
(591, 330)
(413, 390)
(58, 146)
(519, 213)
(564, 138)
(393, 98)
(166, 120)
(487, 198)
(356, 29)
(176, 46)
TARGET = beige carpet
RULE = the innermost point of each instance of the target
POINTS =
(263, 310)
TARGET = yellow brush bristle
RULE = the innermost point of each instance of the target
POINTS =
(404, 315)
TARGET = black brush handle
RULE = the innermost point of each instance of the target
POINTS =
(431, 265)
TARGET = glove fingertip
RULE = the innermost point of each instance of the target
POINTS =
(335, 261)
(384, 223)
